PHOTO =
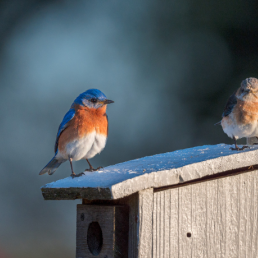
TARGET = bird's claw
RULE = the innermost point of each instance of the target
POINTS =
(92, 169)
(239, 149)
(73, 175)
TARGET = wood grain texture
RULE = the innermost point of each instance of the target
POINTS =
(185, 221)
(217, 218)
(164, 170)
(245, 215)
(162, 216)
(145, 223)
(158, 211)
(113, 221)
(221, 218)
(213, 241)
(232, 216)
(254, 218)
(154, 231)
(166, 223)
(132, 202)
(199, 221)
(174, 223)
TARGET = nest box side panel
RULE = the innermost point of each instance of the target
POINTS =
(145, 221)
(102, 231)
(213, 218)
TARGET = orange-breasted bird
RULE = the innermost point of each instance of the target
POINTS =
(240, 116)
(83, 132)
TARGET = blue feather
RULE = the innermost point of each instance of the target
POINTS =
(89, 94)
(52, 166)
(68, 117)
(232, 101)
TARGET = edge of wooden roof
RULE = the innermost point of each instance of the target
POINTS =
(221, 160)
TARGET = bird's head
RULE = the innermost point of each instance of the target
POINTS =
(248, 90)
(92, 98)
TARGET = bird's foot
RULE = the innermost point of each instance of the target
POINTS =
(239, 149)
(73, 175)
(92, 169)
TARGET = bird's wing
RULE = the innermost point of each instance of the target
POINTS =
(68, 117)
(232, 101)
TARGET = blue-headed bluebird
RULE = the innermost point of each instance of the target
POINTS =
(83, 131)
(240, 116)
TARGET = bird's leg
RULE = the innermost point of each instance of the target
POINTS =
(236, 147)
(71, 164)
(91, 169)
(73, 174)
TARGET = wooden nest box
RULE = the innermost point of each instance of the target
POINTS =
(198, 202)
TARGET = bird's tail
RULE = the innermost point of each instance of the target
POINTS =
(51, 167)
(219, 123)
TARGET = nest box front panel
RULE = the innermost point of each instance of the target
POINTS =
(102, 231)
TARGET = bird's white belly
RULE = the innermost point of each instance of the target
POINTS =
(97, 146)
(86, 147)
(231, 128)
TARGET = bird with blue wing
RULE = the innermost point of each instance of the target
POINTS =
(83, 132)
(240, 115)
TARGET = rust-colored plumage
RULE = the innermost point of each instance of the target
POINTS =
(246, 112)
(83, 131)
(85, 121)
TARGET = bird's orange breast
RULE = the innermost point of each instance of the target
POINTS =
(246, 112)
(85, 121)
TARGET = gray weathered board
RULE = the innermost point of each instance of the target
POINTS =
(156, 171)
(217, 218)
(113, 224)
(198, 202)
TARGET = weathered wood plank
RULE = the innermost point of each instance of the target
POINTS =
(174, 223)
(199, 221)
(133, 226)
(162, 230)
(158, 226)
(145, 223)
(211, 217)
(213, 233)
(254, 249)
(185, 221)
(245, 203)
(167, 218)
(154, 232)
(125, 179)
(111, 240)
(232, 216)
(165, 224)
(221, 215)
(221, 218)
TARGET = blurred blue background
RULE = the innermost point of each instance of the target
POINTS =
(169, 67)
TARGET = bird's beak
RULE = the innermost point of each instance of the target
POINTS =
(107, 101)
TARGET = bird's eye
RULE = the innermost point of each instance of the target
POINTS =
(93, 100)
(242, 90)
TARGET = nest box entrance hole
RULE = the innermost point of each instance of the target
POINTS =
(94, 238)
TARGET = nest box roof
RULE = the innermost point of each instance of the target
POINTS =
(156, 171)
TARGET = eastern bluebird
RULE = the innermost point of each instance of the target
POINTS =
(240, 116)
(83, 131)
